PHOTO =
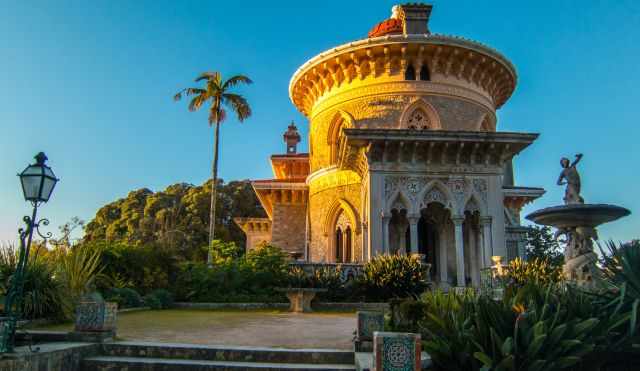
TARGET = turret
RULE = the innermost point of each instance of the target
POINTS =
(292, 138)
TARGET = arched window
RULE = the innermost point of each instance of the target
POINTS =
(338, 245)
(347, 245)
(410, 73)
(419, 120)
(424, 73)
(339, 121)
(419, 115)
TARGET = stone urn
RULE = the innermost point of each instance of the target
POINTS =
(300, 298)
(95, 319)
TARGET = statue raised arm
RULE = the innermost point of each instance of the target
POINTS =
(571, 178)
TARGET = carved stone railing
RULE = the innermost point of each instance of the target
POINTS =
(348, 271)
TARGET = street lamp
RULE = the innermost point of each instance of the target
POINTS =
(38, 181)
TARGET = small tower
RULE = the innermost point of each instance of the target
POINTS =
(292, 138)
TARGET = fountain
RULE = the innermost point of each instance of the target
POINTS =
(577, 222)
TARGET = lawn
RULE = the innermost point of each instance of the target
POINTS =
(249, 328)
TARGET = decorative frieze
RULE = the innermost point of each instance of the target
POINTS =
(452, 192)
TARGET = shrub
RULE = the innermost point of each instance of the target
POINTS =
(536, 327)
(393, 276)
(224, 252)
(298, 278)
(125, 297)
(144, 268)
(44, 295)
(159, 299)
(253, 277)
(535, 271)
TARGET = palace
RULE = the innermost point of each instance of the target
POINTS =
(404, 155)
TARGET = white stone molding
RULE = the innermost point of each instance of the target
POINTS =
(459, 245)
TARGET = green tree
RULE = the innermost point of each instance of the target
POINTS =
(175, 218)
(542, 245)
(217, 93)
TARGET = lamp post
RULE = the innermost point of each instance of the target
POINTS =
(38, 181)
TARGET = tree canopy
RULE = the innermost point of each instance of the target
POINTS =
(176, 217)
(542, 244)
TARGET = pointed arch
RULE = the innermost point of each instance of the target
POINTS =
(420, 115)
(487, 123)
(430, 194)
(398, 197)
(474, 203)
(341, 119)
(472, 206)
(338, 206)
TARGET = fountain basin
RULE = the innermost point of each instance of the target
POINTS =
(578, 215)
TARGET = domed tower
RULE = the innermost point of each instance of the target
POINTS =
(404, 154)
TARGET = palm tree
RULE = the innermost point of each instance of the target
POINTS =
(217, 93)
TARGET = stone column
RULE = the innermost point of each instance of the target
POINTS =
(443, 263)
(459, 242)
(376, 204)
(385, 233)
(487, 250)
(365, 243)
(474, 258)
(413, 232)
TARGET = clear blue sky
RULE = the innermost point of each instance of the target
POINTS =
(90, 83)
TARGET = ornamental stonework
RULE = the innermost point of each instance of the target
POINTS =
(333, 179)
(400, 88)
(412, 186)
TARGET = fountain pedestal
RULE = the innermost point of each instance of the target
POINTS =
(578, 222)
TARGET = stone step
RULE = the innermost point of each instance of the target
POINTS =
(228, 353)
(110, 363)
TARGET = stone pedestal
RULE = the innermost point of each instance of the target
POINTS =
(95, 319)
(369, 322)
(300, 298)
(396, 351)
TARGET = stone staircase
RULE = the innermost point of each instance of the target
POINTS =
(132, 356)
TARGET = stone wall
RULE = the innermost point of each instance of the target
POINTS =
(256, 238)
(288, 228)
(63, 356)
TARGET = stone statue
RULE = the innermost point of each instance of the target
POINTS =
(571, 178)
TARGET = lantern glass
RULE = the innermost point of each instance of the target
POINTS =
(38, 181)
(49, 182)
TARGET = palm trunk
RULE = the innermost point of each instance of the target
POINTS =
(214, 191)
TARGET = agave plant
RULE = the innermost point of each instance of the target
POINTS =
(77, 269)
(447, 330)
(394, 276)
(535, 271)
(543, 337)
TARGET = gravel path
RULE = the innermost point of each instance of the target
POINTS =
(249, 328)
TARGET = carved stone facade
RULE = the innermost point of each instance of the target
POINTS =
(404, 156)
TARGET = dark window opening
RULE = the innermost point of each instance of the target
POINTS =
(347, 250)
(339, 246)
(410, 73)
(424, 74)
